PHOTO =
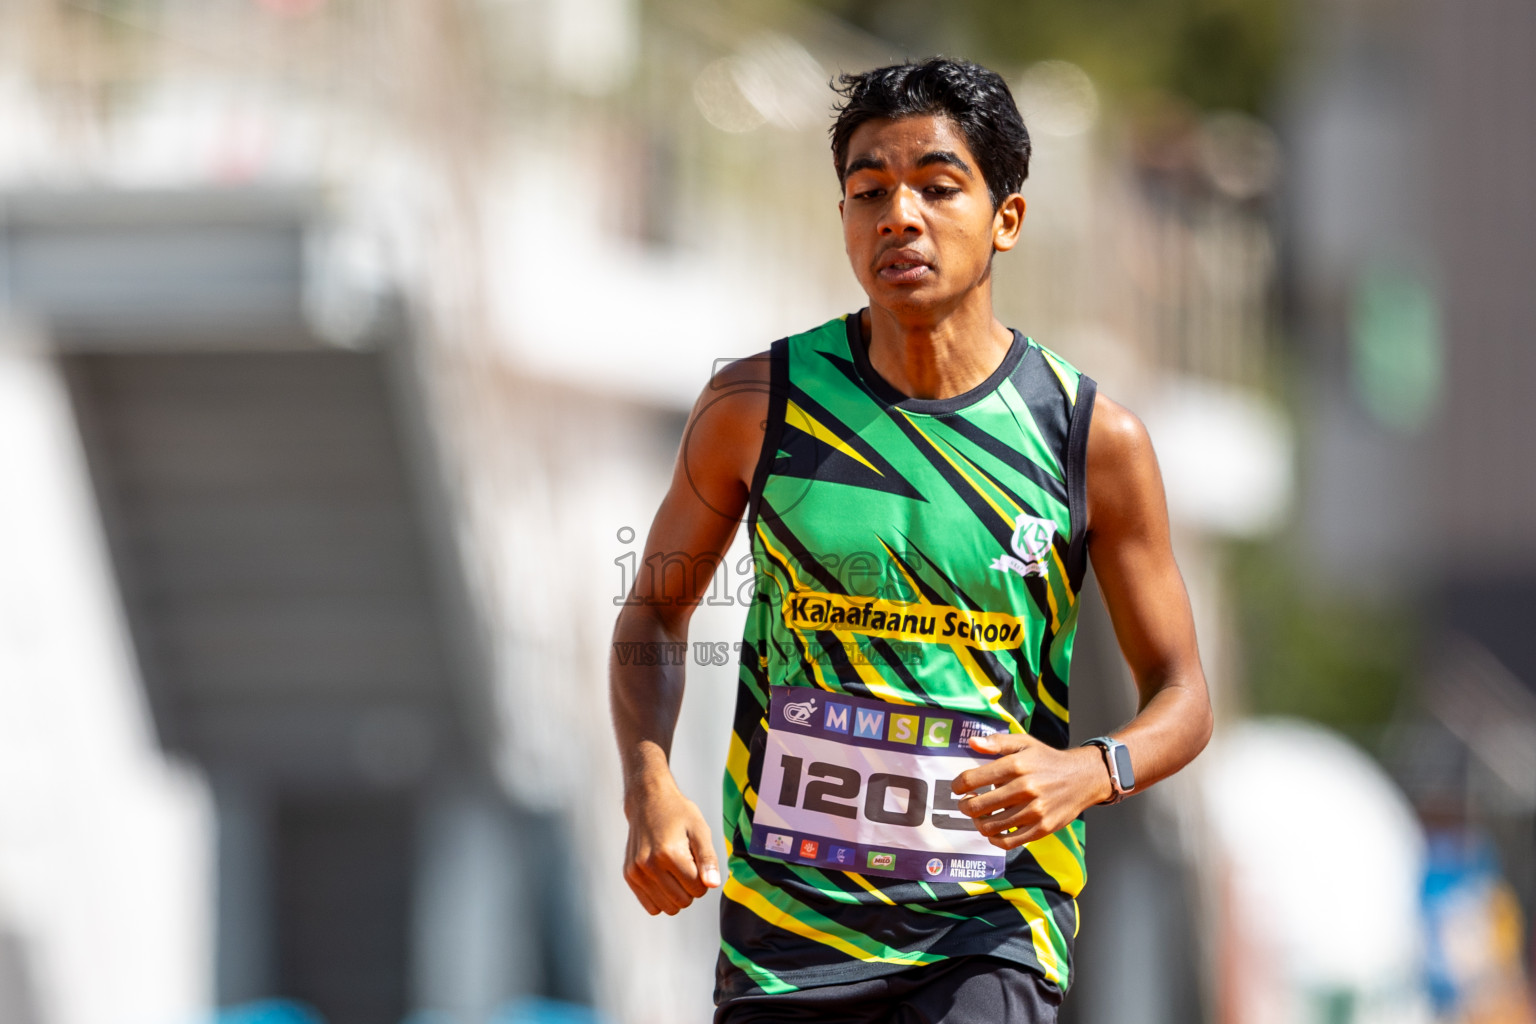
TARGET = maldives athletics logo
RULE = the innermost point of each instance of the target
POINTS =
(1031, 546)
(800, 711)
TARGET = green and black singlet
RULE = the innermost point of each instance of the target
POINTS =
(892, 563)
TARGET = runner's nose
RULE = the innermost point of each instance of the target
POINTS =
(901, 214)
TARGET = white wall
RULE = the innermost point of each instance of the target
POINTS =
(105, 846)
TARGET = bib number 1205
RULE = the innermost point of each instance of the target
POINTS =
(888, 798)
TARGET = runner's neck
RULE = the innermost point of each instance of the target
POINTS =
(938, 360)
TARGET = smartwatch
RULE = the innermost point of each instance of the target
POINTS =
(1117, 758)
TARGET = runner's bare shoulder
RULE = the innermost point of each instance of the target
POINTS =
(725, 430)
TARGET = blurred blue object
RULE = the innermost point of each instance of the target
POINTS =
(269, 1011)
(546, 1011)
(1472, 934)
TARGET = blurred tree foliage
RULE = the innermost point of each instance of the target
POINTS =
(1213, 53)
(1342, 661)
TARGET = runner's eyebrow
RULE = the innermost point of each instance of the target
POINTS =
(938, 156)
(945, 156)
(864, 163)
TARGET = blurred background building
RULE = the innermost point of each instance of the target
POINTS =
(344, 352)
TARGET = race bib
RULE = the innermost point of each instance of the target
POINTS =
(856, 784)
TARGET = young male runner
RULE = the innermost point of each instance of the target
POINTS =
(923, 488)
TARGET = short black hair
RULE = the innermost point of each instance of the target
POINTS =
(976, 99)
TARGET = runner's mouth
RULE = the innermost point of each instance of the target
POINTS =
(898, 268)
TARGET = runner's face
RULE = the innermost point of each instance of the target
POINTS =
(918, 222)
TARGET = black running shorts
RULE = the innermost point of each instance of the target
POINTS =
(961, 990)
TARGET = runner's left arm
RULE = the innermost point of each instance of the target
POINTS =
(1039, 789)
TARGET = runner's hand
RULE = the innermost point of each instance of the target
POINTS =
(1038, 789)
(670, 859)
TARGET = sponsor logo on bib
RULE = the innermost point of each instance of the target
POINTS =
(882, 861)
(967, 867)
(800, 712)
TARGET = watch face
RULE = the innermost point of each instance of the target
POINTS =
(1123, 767)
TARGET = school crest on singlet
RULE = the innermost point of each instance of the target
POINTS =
(1031, 545)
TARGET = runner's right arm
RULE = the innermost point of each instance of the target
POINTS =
(669, 859)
